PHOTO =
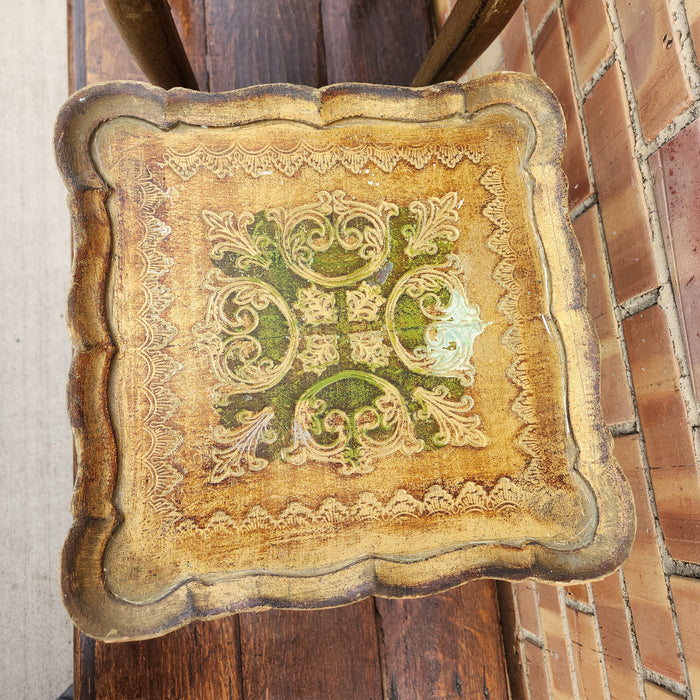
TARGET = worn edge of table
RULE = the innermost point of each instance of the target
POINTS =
(91, 605)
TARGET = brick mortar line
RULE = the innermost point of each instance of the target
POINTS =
(657, 239)
(550, 12)
(672, 129)
(599, 642)
(667, 301)
(598, 73)
(520, 636)
(561, 595)
(669, 684)
(632, 631)
(527, 636)
(637, 304)
(582, 207)
(538, 611)
(687, 54)
(684, 569)
(579, 606)
(579, 107)
(679, 641)
(620, 429)
(664, 556)
(528, 37)
(662, 267)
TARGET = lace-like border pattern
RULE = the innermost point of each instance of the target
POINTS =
(499, 243)
(298, 519)
(163, 440)
(288, 161)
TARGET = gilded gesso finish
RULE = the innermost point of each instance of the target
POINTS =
(343, 352)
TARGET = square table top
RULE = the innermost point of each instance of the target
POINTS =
(328, 344)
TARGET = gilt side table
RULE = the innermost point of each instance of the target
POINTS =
(328, 344)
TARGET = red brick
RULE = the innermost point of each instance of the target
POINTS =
(555, 642)
(516, 53)
(616, 397)
(656, 692)
(589, 671)
(668, 437)
(655, 68)
(536, 673)
(619, 183)
(677, 184)
(537, 11)
(527, 606)
(616, 638)
(552, 63)
(591, 35)
(686, 596)
(578, 592)
(644, 576)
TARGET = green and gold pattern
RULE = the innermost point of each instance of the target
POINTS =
(339, 332)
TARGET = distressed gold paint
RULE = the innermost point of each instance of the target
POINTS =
(338, 356)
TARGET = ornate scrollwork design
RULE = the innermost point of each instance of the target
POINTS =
(238, 358)
(231, 236)
(435, 221)
(368, 347)
(316, 307)
(455, 425)
(234, 450)
(352, 438)
(364, 302)
(437, 302)
(334, 233)
(320, 352)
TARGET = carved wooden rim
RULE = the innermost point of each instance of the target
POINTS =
(90, 604)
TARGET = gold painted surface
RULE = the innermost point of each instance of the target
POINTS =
(197, 497)
(321, 356)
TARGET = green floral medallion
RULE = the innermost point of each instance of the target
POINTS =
(340, 332)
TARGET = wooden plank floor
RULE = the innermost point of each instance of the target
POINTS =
(445, 646)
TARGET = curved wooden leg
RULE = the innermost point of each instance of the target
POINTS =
(148, 30)
(469, 30)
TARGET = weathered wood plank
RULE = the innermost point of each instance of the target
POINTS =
(444, 646)
(190, 19)
(383, 41)
(267, 41)
(106, 56)
(76, 44)
(198, 662)
(311, 654)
